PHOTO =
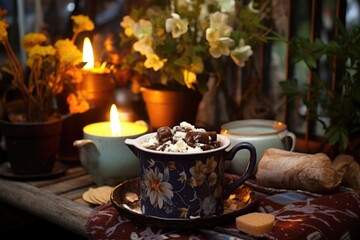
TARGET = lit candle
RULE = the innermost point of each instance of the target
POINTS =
(88, 54)
(115, 121)
(115, 127)
(88, 57)
(103, 152)
(97, 84)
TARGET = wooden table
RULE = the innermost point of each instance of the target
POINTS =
(57, 200)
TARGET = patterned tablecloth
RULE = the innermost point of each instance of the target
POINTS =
(298, 215)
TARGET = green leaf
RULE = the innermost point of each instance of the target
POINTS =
(337, 135)
(290, 88)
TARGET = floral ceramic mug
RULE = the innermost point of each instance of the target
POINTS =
(186, 185)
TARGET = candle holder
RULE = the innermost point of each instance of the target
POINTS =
(106, 157)
(98, 88)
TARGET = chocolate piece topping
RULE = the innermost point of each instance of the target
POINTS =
(164, 134)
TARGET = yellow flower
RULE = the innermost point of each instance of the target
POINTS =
(82, 23)
(52, 68)
(197, 174)
(213, 177)
(3, 30)
(189, 78)
(39, 52)
(75, 74)
(69, 54)
(210, 165)
(42, 51)
(33, 39)
(3, 26)
(128, 24)
(77, 104)
(153, 61)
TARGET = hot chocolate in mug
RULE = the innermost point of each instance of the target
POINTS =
(185, 185)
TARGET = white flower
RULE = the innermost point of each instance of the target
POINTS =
(204, 13)
(226, 5)
(221, 47)
(251, 7)
(209, 205)
(142, 29)
(176, 25)
(144, 46)
(178, 35)
(156, 189)
(212, 34)
(219, 21)
(241, 54)
(218, 35)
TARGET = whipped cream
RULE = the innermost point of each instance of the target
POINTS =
(184, 138)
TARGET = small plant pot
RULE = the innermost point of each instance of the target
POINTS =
(31, 148)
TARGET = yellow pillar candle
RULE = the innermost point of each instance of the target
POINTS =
(104, 129)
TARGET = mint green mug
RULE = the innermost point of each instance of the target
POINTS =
(107, 158)
(262, 133)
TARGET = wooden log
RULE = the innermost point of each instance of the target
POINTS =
(45, 204)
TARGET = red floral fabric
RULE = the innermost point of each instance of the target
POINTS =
(335, 216)
(105, 223)
(327, 217)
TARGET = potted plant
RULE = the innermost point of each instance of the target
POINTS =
(172, 45)
(30, 112)
(340, 104)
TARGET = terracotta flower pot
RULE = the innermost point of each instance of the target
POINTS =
(31, 148)
(169, 108)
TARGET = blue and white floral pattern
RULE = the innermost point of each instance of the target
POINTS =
(182, 187)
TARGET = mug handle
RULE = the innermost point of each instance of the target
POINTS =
(229, 155)
(290, 137)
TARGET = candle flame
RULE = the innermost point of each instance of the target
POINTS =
(88, 54)
(115, 121)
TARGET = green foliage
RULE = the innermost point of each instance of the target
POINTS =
(342, 104)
